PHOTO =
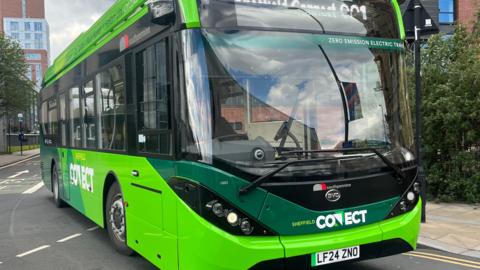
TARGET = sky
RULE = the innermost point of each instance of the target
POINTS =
(68, 18)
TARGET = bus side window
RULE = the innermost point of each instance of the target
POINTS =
(51, 126)
(75, 120)
(88, 114)
(44, 118)
(63, 118)
(153, 97)
(111, 108)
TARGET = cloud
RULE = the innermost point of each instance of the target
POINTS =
(68, 19)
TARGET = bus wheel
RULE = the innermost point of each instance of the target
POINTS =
(56, 188)
(115, 220)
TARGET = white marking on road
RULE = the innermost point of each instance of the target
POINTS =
(93, 228)
(33, 189)
(18, 173)
(12, 181)
(32, 251)
(69, 237)
(3, 187)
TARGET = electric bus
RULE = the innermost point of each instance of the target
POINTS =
(237, 134)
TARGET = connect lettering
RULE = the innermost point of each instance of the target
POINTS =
(81, 176)
(341, 219)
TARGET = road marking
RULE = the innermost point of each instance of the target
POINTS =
(18, 174)
(443, 260)
(69, 237)
(93, 228)
(445, 257)
(33, 189)
(32, 251)
(3, 187)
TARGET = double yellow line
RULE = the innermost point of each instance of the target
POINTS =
(445, 259)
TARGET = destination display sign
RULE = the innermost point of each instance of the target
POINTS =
(354, 18)
(317, 8)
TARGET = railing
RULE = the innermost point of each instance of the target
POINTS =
(31, 141)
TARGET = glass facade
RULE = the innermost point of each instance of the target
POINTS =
(31, 33)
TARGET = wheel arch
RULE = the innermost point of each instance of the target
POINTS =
(53, 163)
(110, 179)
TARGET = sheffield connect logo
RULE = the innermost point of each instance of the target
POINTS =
(342, 219)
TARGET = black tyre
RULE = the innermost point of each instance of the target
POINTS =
(115, 220)
(56, 188)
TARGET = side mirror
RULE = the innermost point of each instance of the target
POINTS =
(162, 11)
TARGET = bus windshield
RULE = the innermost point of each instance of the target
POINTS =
(255, 96)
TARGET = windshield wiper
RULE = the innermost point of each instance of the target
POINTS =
(385, 160)
(262, 179)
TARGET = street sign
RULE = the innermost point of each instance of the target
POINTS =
(427, 25)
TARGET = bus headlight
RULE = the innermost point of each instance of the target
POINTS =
(408, 201)
(216, 210)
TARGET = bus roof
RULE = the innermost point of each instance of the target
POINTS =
(120, 16)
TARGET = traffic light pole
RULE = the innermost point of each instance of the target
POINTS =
(418, 106)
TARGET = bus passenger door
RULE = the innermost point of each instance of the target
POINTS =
(151, 139)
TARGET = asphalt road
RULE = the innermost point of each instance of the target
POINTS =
(36, 235)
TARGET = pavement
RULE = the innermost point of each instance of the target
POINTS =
(8, 159)
(452, 227)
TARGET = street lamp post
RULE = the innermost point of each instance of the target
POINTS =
(20, 134)
(418, 100)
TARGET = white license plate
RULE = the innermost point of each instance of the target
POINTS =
(337, 255)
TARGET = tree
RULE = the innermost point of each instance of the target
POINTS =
(451, 115)
(15, 88)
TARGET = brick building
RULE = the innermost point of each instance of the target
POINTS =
(24, 20)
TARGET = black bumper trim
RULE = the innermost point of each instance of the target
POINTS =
(367, 251)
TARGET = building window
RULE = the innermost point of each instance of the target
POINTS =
(447, 11)
(29, 72)
(14, 26)
(38, 70)
(38, 26)
(27, 26)
(16, 36)
(28, 36)
(28, 45)
(38, 36)
(38, 44)
(33, 56)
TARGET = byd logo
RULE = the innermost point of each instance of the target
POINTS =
(343, 219)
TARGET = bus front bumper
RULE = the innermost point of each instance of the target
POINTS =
(203, 246)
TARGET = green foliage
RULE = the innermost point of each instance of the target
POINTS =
(15, 88)
(451, 115)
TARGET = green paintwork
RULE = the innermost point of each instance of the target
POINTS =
(118, 16)
(162, 224)
(190, 14)
(398, 14)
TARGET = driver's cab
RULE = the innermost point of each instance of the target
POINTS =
(252, 130)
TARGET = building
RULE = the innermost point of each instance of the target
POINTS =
(24, 20)
(447, 13)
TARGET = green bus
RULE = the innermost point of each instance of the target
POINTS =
(237, 134)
